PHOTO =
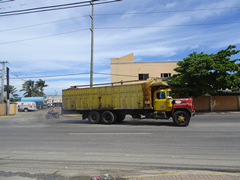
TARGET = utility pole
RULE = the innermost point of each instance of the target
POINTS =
(8, 103)
(31, 89)
(2, 84)
(92, 33)
(7, 83)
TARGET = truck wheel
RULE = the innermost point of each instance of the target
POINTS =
(120, 117)
(115, 118)
(181, 118)
(25, 110)
(94, 117)
(107, 117)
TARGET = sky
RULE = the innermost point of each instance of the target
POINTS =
(55, 46)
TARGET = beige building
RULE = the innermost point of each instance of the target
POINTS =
(125, 69)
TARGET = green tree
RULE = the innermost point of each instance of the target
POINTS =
(200, 74)
(40, 84)
(30, 89)
(12, 89)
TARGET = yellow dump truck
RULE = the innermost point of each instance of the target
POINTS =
(110, 104)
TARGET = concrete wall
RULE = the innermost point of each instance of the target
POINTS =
(2, 109)
(130, 70)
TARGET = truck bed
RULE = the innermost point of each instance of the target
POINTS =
(133, 96)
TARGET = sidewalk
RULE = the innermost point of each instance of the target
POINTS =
(217, 112)
(188, 176)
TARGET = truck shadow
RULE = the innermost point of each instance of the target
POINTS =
(146, 123)
(124, 123)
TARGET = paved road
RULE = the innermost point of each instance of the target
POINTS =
(33, 147)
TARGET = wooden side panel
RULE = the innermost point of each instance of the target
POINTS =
(2, 109)
(108, 97)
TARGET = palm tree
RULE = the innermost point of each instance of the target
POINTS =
(40, 84)
(29, 88)
(12, 89)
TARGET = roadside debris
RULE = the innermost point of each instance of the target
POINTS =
(102, 177)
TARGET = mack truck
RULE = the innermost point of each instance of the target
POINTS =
(110, 104)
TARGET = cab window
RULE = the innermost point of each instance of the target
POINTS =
(161, 95)
(169, 93)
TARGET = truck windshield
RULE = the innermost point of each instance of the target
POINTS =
(169, 94)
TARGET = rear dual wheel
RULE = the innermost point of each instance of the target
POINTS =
(94, 117)
(108, 117)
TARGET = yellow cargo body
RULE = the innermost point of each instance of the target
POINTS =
(134, 96)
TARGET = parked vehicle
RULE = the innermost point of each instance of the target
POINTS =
(110, 104)
(27, 106)
(51, 115)
(38, 100)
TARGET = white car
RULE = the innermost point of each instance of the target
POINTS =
(27, 106)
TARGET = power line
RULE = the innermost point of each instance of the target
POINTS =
(4, 1)
(42, 23)
(121, 75)
(34, 77)
(116, 74)
(158, 12)
(43, 36)
(138, 27)
(15, 74)
(46, 7)
(113, 14)
(52, 8)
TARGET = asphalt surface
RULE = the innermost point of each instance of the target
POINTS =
(32, 147)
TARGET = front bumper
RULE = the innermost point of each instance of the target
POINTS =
(193, 113)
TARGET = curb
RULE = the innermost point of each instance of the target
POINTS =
(4, 116)
(217, 113)
(71, 115)
(195, 176)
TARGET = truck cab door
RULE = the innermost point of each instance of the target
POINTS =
(161, 101)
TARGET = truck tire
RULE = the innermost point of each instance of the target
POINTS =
(115, 118)
(107, 117)
(181, 118)
(25, 110)
(120, 117)
(94, 117)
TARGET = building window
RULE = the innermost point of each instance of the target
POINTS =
(143, 76)
(164, 75)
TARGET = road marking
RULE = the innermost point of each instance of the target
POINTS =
(177, 174)
(4, 116)
(110, 133)
(70, 115)
(108, 155)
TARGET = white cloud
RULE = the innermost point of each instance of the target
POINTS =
(70, 53)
